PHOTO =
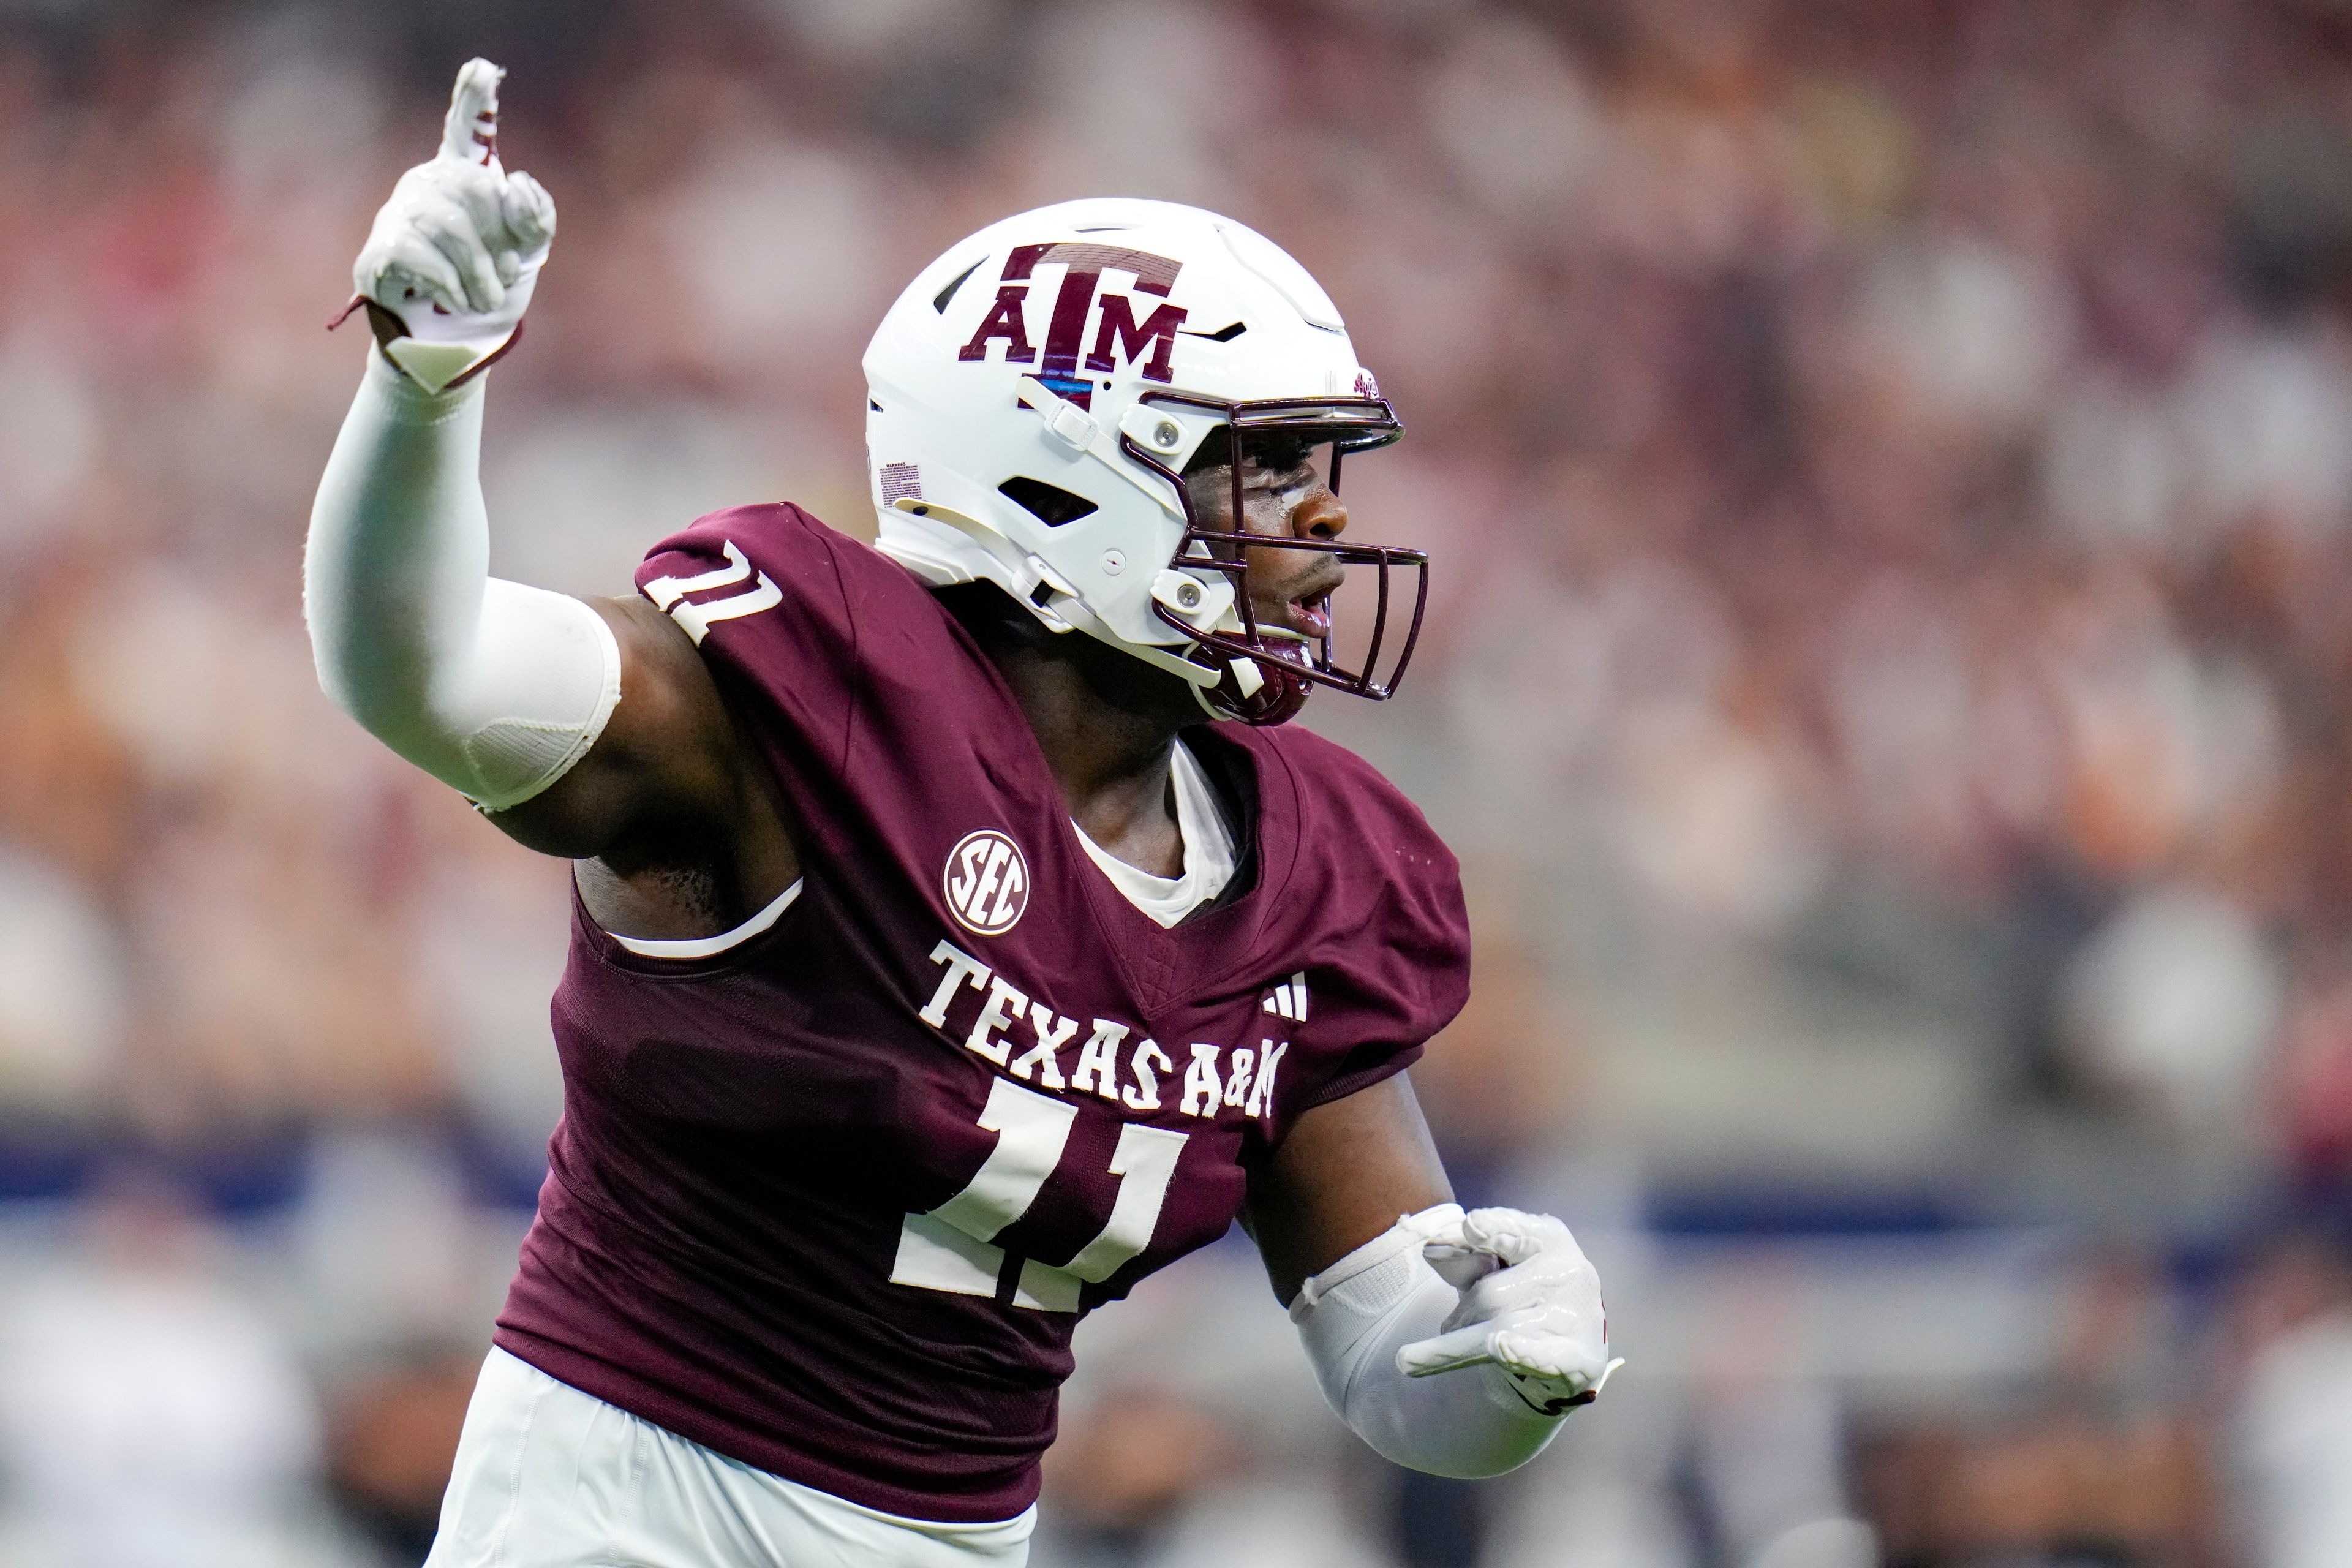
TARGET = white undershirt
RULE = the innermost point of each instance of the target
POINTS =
(1208, 851)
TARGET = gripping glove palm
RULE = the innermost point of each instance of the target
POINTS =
(1530, 1304)
(450, 266)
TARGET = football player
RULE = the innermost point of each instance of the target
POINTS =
(957, 934)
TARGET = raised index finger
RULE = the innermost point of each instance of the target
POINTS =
(470, 134)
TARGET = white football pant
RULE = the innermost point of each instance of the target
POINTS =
(547, 1477)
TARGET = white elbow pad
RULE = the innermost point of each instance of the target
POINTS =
(543, 677)
(503, 718)
(1355, 1317)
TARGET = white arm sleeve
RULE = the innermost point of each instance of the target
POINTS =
(492, 688)
(1357, 1314)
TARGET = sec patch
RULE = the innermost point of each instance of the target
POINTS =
(987, 883)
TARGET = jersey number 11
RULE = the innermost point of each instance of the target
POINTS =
(953, 1247)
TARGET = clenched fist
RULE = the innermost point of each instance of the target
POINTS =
(450, 266)
(1530, 1304)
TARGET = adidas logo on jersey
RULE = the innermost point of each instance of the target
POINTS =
(1289, 1000)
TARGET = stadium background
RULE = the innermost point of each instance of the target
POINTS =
(1889, 465)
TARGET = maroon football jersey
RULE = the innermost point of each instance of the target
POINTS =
(832, 1200)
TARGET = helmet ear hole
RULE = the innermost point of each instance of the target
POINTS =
(1050, 504)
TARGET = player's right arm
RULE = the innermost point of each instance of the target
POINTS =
(589, 730)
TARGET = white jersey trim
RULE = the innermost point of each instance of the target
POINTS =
(711, 946)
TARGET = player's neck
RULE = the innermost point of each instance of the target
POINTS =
(1108, 727)
(1106, 721)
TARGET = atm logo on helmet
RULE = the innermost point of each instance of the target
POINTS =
(987, 883)
(1118, 332)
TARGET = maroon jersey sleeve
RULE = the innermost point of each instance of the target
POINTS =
(1387, 960)
(704, 576)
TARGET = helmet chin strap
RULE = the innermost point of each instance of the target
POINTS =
(1225, 689)
(1222, 691)
(1018, 563)
(1065, 610)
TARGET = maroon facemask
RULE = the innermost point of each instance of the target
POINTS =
(1291, 669)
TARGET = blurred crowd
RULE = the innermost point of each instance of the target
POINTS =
(1888, 465)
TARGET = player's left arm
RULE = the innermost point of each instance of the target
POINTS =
(1453, 1343)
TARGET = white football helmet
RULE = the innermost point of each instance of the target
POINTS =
(1035, 393)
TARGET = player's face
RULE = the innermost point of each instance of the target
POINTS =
(1284, 496)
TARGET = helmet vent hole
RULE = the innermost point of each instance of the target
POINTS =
(1223, 334)
(1050, 504)
(939, 300)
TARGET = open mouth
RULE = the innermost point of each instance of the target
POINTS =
(1304, 613)
(1294, 622)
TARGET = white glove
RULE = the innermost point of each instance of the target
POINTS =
(1530, 1304)
(450, 266)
